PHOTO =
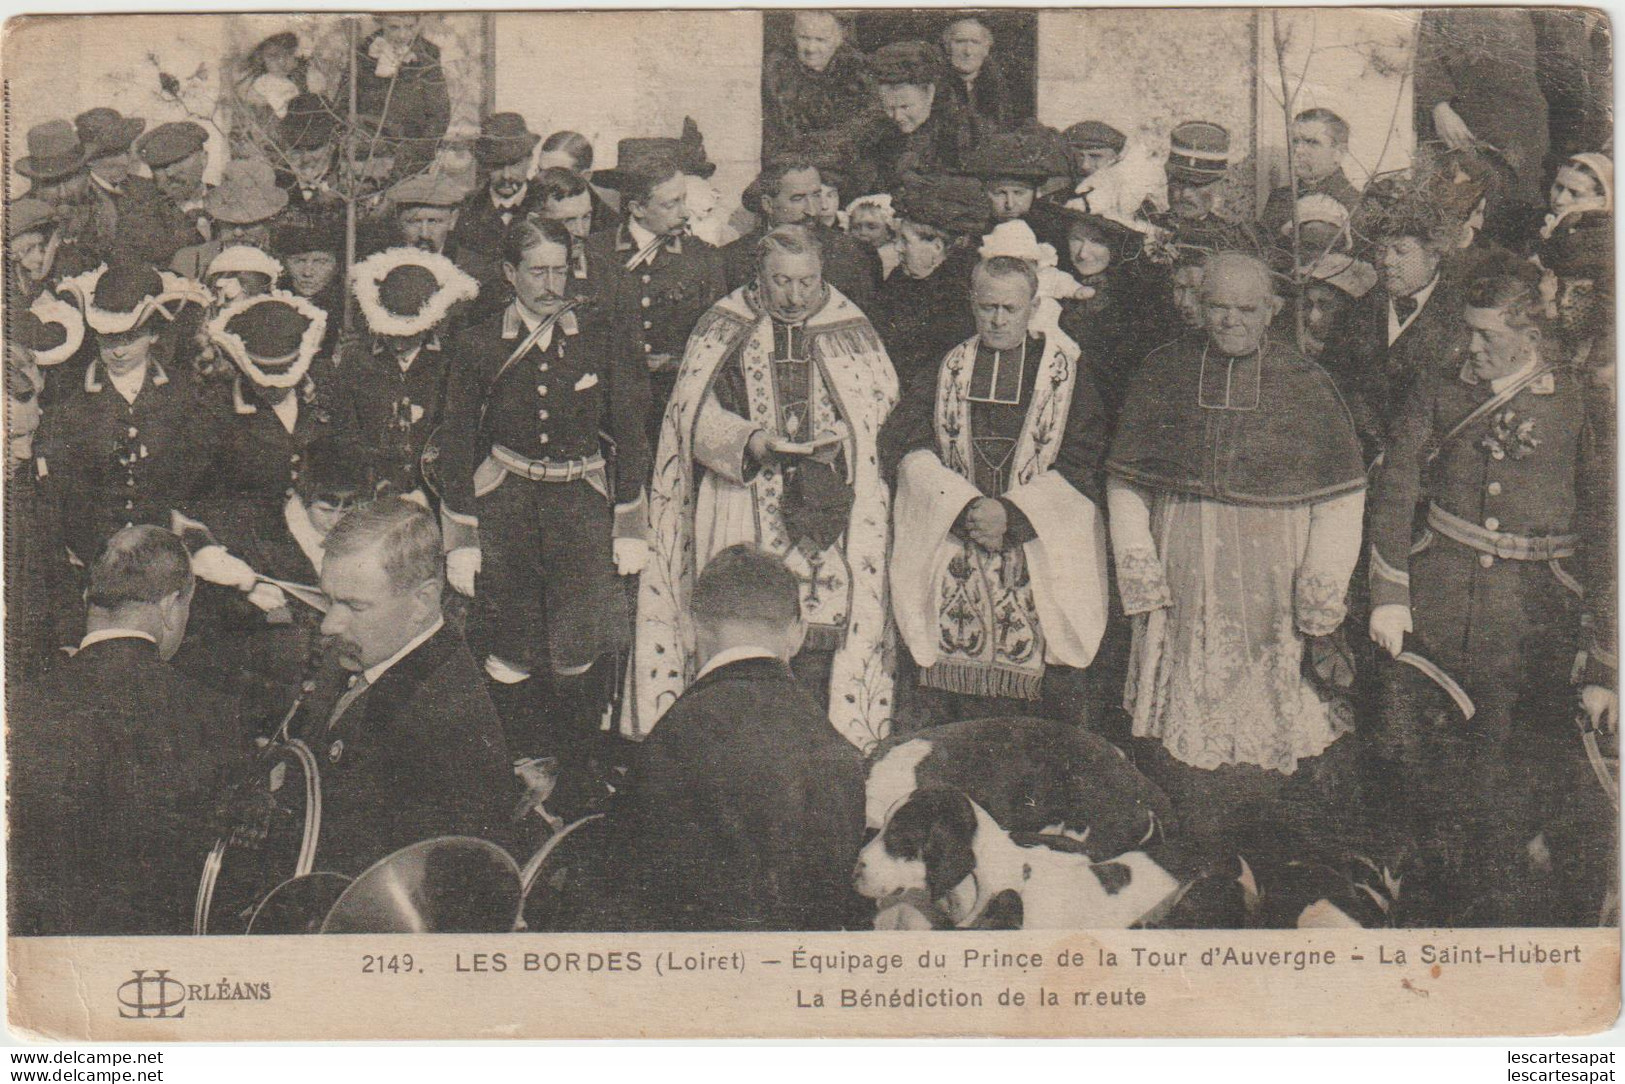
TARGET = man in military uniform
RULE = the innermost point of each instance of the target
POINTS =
(1198, 159)
(534, 391)
(135, 440)
(572, 151)
(392, 380)
(176, 154)
(789, 189)
(565, 197)
(822, 90)
(1487, 594)
(668, 277)
(503, 151)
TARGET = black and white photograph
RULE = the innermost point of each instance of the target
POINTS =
(566, 475)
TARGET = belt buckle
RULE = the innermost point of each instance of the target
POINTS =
(1509, 548)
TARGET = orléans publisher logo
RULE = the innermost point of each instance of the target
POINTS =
(152, 994)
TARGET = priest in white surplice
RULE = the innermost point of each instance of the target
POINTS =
(769, 439)
(998, 571)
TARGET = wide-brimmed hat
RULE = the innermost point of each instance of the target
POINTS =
(106, 131)
(126, 295)
(53, 331)
(955, 205)
(646, 156)
(308, 124)
(1198, 152)
(1030, 153)
(504, 139)
(169, 143)
(27, 214)
(916, 63)
(430, 190)
(406, 291)
(54, 152)
(286, 39)
(272, 338)
(1123, 240)
(247, 193)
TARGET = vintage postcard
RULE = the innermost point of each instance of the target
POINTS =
(895, 522)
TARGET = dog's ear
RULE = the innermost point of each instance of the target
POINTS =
(948, 854)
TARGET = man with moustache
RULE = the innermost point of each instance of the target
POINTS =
(789, 191)
(176, 154)
(503, 151)
(411, 748)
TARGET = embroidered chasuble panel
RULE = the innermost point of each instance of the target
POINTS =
(995, 409)
(786, 393)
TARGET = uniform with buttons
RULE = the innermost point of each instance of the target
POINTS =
(1491, 582)
(546, 543)
(670, 290)
(108, 463)
(391, 409)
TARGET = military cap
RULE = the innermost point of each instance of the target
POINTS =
(27, 214)
(272, 338)
(404, 290)
(953, 205)
(1198, 152)
(54, 152)
(106, 131)
(1032, 152)
(504, 139)
(170, 142)
(1094, 134)
(309, 123)
(916, 63)
(430, 190)
(247, 193)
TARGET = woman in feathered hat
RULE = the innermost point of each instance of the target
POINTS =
(392, 380)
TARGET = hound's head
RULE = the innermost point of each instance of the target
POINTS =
(931, 843)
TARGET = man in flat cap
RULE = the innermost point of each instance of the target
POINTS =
(1320, 144)
(503, 151)
(820, 91)
(424, 212)
(1198, 160)
(240, 208)
(1105, 182)
(921, 131)
(789, 190)
(392, 380)
(177, 154)
(134, 440)
(667, 276)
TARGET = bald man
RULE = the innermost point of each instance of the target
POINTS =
(1235, 492)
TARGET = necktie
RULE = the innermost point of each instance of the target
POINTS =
(358, 685)
(1405, 308)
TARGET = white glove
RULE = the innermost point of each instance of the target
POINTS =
(462, 565)
(268, 597)
(1601, 706)
(1389, 624)
(214, 564)
(631, 554)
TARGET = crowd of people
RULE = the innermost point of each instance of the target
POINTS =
(527, 495)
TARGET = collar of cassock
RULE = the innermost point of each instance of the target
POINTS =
(997, 375)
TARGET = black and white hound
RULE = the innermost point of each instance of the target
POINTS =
(943, 844)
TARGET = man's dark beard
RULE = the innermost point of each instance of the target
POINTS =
(507, 189)
(427, 244)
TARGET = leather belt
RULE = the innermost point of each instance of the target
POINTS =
(1510, 547)
(547, 470)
